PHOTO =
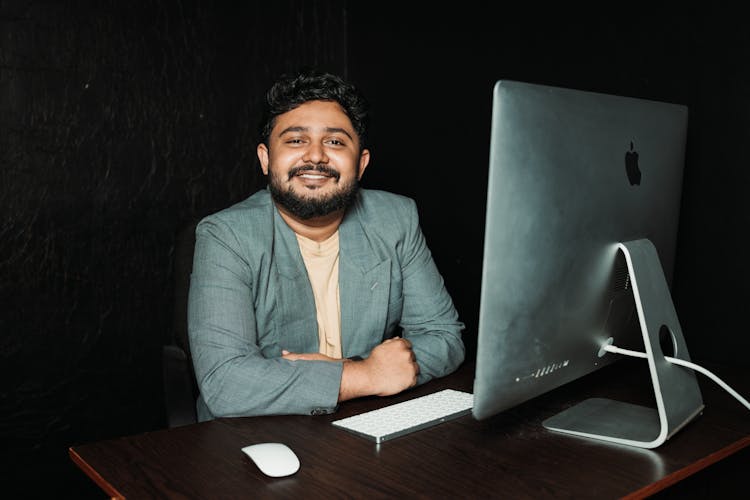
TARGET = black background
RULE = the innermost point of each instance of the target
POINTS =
(124, 122)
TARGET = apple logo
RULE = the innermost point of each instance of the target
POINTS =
(631, 166)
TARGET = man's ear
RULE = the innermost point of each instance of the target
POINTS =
(262, 151)
(364, 160)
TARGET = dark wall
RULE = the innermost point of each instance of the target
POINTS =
(430, 74)
(122, 122)
(711, 290)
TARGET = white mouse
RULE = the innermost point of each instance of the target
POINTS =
(273, 459)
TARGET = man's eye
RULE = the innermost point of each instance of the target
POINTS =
(336, 142)
(294, 141)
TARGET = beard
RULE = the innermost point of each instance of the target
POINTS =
(308, 207)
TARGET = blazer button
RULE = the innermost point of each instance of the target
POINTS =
(322, 411)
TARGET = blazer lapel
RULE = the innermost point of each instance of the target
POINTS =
(364, 284)
(297, 321)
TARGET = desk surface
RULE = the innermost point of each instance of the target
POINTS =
(510, 455)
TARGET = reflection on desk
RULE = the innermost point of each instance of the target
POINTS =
(510, 455)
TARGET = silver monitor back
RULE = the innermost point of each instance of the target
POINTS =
(572, 174)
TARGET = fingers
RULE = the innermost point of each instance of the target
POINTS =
(408, 346)
(290, 356)
(305, 356)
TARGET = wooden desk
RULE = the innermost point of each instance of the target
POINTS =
(508, 456)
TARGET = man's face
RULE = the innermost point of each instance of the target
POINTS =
(313, 160)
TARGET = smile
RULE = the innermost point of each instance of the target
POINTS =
(314, 173)
(310, 175)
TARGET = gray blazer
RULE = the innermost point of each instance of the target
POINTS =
(250, 297)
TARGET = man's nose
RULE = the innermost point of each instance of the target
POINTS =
(315, 153)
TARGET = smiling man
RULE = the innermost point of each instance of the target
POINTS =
(315, 291)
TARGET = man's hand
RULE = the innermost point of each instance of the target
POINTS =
(390, 368)
(307, 356)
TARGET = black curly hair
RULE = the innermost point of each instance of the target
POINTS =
(291, 91)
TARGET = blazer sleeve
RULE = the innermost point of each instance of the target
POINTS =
(429, 319)
(235, 378)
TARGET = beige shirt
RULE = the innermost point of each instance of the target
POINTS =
(322, 263)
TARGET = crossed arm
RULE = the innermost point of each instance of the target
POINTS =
(390, 368)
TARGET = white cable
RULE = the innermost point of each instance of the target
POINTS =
(686, 364)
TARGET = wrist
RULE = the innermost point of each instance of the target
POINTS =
(355, 379)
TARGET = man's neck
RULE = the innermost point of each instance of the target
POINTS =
(317, 229)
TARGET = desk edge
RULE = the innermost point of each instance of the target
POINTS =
(91, 473)
(691, 469)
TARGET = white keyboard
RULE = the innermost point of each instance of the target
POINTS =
(408, 416)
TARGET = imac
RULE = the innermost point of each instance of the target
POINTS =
(581, 222)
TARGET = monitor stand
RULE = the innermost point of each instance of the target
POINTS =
(678, 397)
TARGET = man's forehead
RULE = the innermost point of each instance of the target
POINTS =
(314, 117)
(315, 112)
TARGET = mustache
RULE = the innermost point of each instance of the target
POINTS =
(323, 169)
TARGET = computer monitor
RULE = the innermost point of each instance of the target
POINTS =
(581, 221)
